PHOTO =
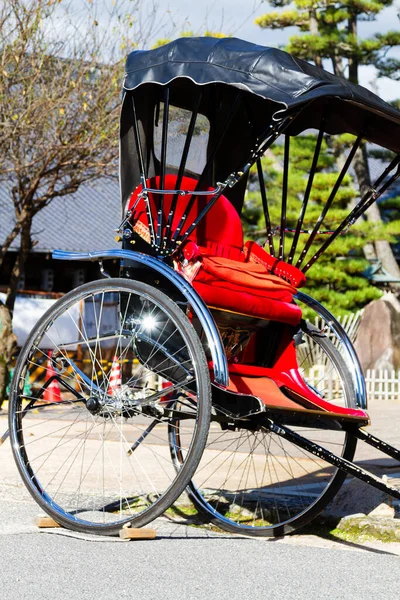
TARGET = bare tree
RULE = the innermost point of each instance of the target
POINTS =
(60, 81)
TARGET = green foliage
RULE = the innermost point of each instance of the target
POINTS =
(161, 42)
(215, 34)
(275, 20)
(389, 67)
(330, 32)
(207, 33)
(336, 279)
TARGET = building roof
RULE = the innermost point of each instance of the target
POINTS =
(82, 221)
(86, 220)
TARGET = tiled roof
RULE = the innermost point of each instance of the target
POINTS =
(82, 221)
(86, 220)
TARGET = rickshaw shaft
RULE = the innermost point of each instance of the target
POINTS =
(337, 461)
(384, 447)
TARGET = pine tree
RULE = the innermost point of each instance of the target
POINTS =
(329, 32)
(336, 279)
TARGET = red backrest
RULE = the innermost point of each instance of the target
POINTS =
(220, 227)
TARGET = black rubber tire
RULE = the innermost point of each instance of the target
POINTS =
(200, 422)
(317, 505)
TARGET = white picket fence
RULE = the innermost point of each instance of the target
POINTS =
(350, 324)
(312, 356)
(325, 379)
(382, 384)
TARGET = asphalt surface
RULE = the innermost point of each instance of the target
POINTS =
(182, 564)
(186, 562)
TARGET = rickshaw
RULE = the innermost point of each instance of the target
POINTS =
(190, 374)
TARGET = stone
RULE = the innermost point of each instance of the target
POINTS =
(385, 530)
(356, 496)
(384, 510)
(378, 339)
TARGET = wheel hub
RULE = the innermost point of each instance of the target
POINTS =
(124, 402)
(94, 405)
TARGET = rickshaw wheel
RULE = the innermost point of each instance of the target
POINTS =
(255, 483)
(91, 444)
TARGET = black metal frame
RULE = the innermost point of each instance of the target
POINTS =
(165, 244)
(168, 243)
(382, 183)
(366, 201)
(307, 193)
(341, 463)
(329, 202)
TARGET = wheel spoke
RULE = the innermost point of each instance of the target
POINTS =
(253, 481)
(74, 453)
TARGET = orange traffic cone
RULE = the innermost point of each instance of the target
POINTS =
(165, 385)
(115, 376)
(52, 393)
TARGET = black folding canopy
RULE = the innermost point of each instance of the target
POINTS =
(267, 83)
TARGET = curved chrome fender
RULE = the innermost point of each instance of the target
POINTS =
(350, 357)
(206, 319)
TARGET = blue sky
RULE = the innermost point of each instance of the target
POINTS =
(237, 17)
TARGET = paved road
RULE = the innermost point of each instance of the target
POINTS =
(186, 562)
(182, 564)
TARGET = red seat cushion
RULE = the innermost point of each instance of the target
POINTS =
(246, 288)
(256, 254)
(246, 303)
(246, 277)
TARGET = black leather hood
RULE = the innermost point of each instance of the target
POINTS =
(268, 73)
(263, 84)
